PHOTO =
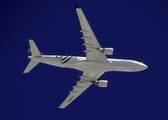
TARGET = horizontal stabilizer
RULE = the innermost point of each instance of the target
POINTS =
(30, 66)
(34, 50)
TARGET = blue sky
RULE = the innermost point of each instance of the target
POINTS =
(136, 29)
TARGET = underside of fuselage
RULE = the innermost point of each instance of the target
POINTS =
(82, 64)
(94, 65)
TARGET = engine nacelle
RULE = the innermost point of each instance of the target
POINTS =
(101, 83)
(107, 51)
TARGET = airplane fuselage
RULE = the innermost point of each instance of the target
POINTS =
(93, 65)
(82, 64)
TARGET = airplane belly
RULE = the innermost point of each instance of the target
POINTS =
(57, 62)
(123, 66)
(91, 66)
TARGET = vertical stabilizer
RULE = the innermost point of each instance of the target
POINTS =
(34, 50)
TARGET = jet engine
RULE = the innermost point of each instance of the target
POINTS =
(101, 83)
(107, 51)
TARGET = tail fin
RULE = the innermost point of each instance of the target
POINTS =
(35, 53)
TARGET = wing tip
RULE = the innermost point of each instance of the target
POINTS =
(76, 6)
(61, 107)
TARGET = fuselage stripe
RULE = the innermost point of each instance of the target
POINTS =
(67, 60)
(58, 56)
(64, 58)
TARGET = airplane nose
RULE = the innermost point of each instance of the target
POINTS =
(140, 66)
(143, 66)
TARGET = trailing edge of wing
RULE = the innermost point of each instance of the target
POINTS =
(78, 89)
(91, 42)
(82, 85)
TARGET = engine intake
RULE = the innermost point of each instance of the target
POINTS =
(101, 83)
(107, 51)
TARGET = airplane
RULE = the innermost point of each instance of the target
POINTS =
(94, 65)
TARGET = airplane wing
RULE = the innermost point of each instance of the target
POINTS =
(91, 43)
(82, 85)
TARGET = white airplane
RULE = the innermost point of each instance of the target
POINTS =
(93, 65)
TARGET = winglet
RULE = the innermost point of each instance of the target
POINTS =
(76, 6)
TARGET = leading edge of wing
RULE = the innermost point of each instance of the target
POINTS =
(82, 85)
(91, 43)
(78, 89)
